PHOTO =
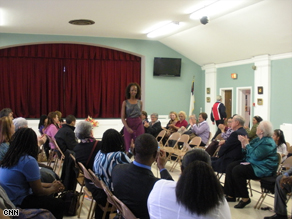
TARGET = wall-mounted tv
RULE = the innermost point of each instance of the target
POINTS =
(167, 67)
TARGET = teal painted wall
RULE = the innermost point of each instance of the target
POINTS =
(245, 79)
(162, 94)
(281, 92)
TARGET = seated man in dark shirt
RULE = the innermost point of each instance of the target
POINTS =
(65, 137)
(133, 182)
(153, 127)
(231, 150)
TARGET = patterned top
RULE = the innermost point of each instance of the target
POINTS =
(104, 164)
(3, 149)
(133, 110)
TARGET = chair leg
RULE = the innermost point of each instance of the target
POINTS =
(81, 204)
(249, 184)
(90, 207)
(105, 210)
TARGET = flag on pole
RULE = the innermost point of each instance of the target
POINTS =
(192, 101)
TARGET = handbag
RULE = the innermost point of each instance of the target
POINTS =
(71, 203)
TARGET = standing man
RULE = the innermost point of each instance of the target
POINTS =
(65, 137)
(218, 114)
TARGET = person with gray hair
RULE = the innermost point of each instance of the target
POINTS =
(231, 150)
(197, 194)
(218, 114)
(88, 147)
(153, 127)
(19, 122)
(260, 160)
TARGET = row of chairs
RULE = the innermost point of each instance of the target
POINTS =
(113, 203)
(176, 151)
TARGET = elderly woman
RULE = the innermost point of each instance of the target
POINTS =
(260, 161)
(181, 123)
(202, 129)
(153, 127)
(251, 133)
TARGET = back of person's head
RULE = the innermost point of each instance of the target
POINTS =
(6, 131)
(193, 155)
(218, 98)
(51, 117)
(112, 141)
(42, 120)
(24, 142)
(20, 123)
(198, 188)
(70, 119)
(258, 119)
(266, 128)
(240, 119)
(59, 114)
(5, 112)
(145, 147)
(83, 130)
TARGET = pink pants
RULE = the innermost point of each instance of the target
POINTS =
(138, 129)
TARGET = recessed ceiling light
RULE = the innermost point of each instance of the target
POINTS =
(81, 22)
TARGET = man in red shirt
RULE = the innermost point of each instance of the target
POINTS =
(218, 114)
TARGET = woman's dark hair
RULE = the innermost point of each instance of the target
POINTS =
(24, 142)
(258, 119)
(204, 116)
(281, 136)
(112, 141)
(42, 120)
(138, 95)
(198, 188)
(51, 117)
(145, 114)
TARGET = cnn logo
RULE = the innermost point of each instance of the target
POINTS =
(11, 212)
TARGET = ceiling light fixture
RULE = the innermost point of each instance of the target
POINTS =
(166, 29)
(82, 22)
(204, 11)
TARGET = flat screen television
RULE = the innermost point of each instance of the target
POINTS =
(167, 67)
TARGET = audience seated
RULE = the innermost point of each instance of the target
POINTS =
(19, 123)
(133, 182)
(42, 124)
(153, 127)
(197, 194)
(85, 153)
(60, 121)
(283, 186)
(52, 127)
(260, 160)
(7, 129)
(202, 129)
(231, 150)
(181, 123)
(279, 139)
(6, 112)
(220, 138)
(251, 133)
(20, 176)
(65, 137)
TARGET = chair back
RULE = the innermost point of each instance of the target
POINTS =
(279, 162)
(184, 139)
(124, 210)
(174, 137)
(209, 139)
(196, 141)
(96, 181)
(160, 136)
(287, 164)
(85, 171)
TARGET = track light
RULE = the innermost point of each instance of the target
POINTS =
(168, 28)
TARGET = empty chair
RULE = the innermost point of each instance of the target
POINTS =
(171, 141)
(195, 142)
(160, 137)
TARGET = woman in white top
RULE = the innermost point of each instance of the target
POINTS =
(197, 194)
(279, 139)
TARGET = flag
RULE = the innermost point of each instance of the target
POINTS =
(192, 100)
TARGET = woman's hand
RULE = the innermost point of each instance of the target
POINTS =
(58, 186)
(129, 130)
(243, 140)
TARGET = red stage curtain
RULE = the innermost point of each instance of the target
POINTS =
(75, 79)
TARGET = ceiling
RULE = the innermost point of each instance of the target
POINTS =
(251, 28)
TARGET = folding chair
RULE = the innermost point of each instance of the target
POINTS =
(160, 137)
(123, 209)
(195, 142)
(80, 177)
(173, 138)
(60, 158)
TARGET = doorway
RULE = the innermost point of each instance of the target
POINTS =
(244, 104)
(226, 94)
